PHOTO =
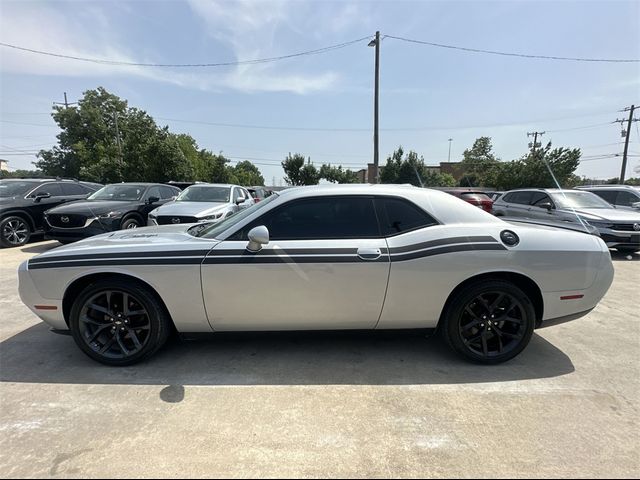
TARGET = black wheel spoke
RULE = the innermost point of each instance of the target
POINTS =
(471, 325)
(91, 321)
(123, 348)
(485, 347)
(97, 332)
(134, 338)
(517, 321)
(100, 309)
(496, 302)
(107, 345)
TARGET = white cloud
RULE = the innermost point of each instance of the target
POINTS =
(248, 28)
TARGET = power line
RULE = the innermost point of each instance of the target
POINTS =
(28, 124)
(509, 54)
(580, 128)
(188, 65)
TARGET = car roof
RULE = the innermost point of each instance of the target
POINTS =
(608, 187)
(227, 185)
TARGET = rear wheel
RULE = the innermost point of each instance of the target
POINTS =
(489, 322)
(14, 232)
(129, 223)
(118, 322)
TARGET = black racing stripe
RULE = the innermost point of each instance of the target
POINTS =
(441, 241)
(113, 255)
(118, 262)
(446, 249)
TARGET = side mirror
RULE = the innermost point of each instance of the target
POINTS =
(239, 201)
(153, 200)
(546, 205)
(258, 236)
(636, 205)
(40, 196)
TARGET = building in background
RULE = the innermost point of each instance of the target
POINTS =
(454, 169)
(4, 165)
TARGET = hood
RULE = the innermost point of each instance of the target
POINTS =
(93, 207)
(192, 209)
(162, 238)
(608, 214)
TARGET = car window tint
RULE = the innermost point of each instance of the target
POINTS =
(73, 189)
(168, 192)
(608, 195)
(398, 216)
(538, 198)
(523, 198)
(52, 189)
(625, 199)
(320, 218)
(154, 192)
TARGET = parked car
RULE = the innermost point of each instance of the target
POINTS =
(259, 193)
(23, 202)
(119, 206)
(622, 196)
(202, 202)
(494, 195)
(372, 257)
(474, 197)
(620, 229)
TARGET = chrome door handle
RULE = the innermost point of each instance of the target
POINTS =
(369, 253)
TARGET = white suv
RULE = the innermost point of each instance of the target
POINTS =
(622, 196)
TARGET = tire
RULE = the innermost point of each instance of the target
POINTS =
(14, 231)
(471, 331)
(130, 222)
(114, 335)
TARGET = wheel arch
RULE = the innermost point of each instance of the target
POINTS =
(133, 213)
(79, 284)
(22, 214)
(524, 283)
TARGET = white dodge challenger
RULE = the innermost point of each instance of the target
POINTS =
(322, 258)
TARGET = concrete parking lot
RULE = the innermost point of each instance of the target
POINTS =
(381, 405)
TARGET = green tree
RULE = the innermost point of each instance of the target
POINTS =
(478, 163)
(297, 172)
(337, 174)
(410, 168)
(247, 174)
(21, 174)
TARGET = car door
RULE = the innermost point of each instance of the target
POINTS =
(325, 267)
(161, 194)
(517, 204)
(536, 210)
(44, 198)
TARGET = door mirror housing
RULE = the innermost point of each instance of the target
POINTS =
(153, 200)
(239, 200)
(547, 205)
(258, 236)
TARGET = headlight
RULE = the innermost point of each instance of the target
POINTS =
(208, 218)
(114, 214)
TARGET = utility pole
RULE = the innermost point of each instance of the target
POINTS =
(626, 134)
(449, 156)
(376, 43)
(533, 145)
(115, 121)
(66, 103)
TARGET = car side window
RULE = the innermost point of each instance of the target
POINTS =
(238, 194)
(625, 199)
(154, 192)
(321, 218)
(538, 198)
(168, 193)
(73, 189)
(607, 195)
(399, 216)
(521, 198)
(53, 189)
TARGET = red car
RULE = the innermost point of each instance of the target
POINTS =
(474, 197)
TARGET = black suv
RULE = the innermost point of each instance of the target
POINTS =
(23, 202)
(118, 206)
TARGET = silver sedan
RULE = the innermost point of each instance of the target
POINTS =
(371, 257)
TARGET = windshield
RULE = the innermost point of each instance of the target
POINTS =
(205, 194)
(128, 193)
(579, 200)
(12, 188)
(216, 229)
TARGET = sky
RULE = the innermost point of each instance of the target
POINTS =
(322, 105)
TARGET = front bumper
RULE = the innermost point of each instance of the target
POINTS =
(92, 227)
(618, 238)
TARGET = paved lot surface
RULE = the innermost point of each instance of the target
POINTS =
(327, 405)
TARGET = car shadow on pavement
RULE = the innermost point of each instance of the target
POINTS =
(38, 356)
(625, 256)
(40, 247)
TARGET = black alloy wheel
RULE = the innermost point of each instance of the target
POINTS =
(489, 322)
(119, 323)
(14, 232)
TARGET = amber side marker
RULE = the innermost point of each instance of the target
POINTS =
(571, 297)
(45, 307)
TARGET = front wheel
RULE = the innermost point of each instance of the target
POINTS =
(130, 223)
(489, 322)
(14, 232)
(118, 322)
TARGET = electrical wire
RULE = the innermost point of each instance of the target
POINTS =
(188, 65)
(509, 54)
